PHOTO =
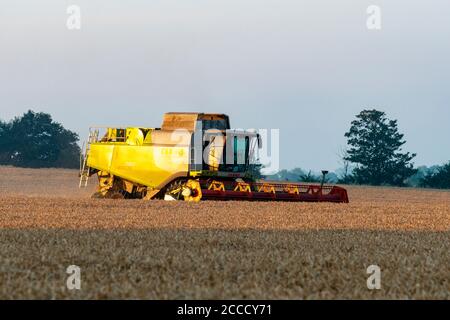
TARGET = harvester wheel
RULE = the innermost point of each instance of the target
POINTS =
(174, 190)
(189, 190)
(114, 195)
(97, 195)
(192, 191)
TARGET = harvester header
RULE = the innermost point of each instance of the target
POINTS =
(192, 157)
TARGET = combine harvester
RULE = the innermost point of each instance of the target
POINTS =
(192, 157)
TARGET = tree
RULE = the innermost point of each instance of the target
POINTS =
(438, 178)
(287, 175)
(35, 140)
(299, 175)
(345, 174)
(375, 148)
(416, 179)
(4, 142)
(255, 170)
(310, 177)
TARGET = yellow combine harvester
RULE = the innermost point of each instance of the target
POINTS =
(192, 156)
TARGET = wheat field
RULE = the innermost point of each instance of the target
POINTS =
(133, 249)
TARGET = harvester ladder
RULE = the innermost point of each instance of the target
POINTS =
(84, 168)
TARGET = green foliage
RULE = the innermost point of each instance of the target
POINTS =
(287, 175)
(375, 148)
(35, 140)
(299, 175)
(309, 177)
(346, 178)
(344, 175)
(4, 141)
(438, 178)
(255, 170)
(416, 179)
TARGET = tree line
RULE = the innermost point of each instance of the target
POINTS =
(374, 155)
(34, 140)
(437, 176)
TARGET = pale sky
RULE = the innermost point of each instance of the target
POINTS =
(304, 67)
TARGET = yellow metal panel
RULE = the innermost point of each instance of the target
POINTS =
(100, 156)
(147, 165)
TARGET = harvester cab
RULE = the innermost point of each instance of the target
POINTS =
(192, 157)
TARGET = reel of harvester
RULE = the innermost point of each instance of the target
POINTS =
(196, 190)
(271, 191)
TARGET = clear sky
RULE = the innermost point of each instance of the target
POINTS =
(304, 67)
